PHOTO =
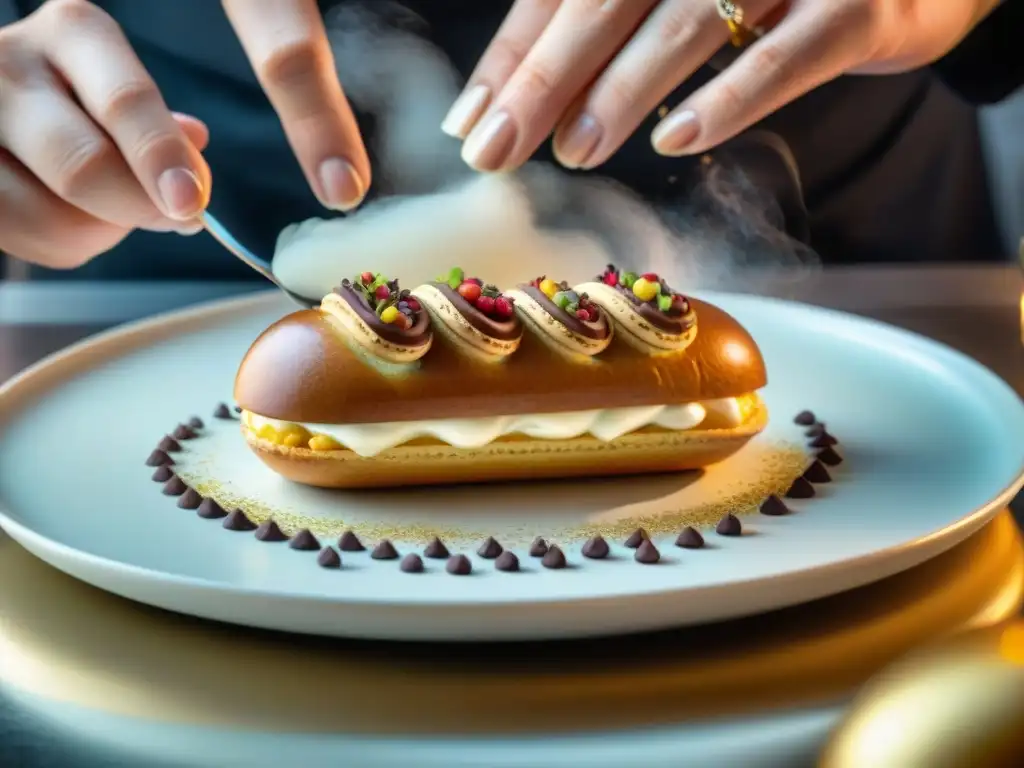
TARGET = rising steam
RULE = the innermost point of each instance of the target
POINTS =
(432, 212)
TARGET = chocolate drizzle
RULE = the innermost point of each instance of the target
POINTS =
(598, 331)
(503, 330)
(410, 337)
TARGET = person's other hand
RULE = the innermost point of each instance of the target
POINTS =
(89, 151)
(592, 70)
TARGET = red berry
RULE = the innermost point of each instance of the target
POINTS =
(610, 278)
(413, 304)
(475, 280)
(485, 304)
(651, 277)
(469, 291)
(366, 278)
(583, 314)
(381, 292)
(503, 307)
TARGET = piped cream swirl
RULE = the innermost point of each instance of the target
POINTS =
(635, 329)
(555, 334)
(448, 319)
(365, 338)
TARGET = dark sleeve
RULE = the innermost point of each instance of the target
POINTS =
(988, 65)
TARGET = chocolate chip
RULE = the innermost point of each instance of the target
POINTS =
(183, 432)
(412, 563)
(190, 499)
(647, 553)
(270, 531)
(773, 506)
(222, 411)
(507, 561)
(800, 489)
(304, 541)
(805, 418)
(636, 538)
(175, 486)
(328, 558)
(816, 473)
(211, 510)
(824, 440)
(554, 559)
(689, 538)
(539, 548)
(349, 542)
(815, 430)
(237, 520)
(490, 549)
(729, 526)
(158, 458)
(237, 409)
(459, 565)
(436, 550)
(163, 474)
(830, 457)
(596, 549)
(384, 550)
(169, 444)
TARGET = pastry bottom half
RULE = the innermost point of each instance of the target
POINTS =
(515, 457)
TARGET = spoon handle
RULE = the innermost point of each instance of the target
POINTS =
(220, 233)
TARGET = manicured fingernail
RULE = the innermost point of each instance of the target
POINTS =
(490, 143)
(466, 111)
(188, 228)
(341, 187)
(675, 133)
(181, 192)
(575, 147)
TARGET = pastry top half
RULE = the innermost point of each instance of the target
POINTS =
(448, 350)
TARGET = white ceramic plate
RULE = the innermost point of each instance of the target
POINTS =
(934, 445)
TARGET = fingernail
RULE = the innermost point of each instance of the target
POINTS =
(579, 142)
(466, 111)
(675, 133)
(189, 228)
(181, 192)
(490, 143)
(341, 188)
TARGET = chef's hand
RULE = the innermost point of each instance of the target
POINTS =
(89, 151)
(592, 70)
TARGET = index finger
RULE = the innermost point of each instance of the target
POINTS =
(286, 43)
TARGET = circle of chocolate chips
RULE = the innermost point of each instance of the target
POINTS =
(436, 550)
(596, 548)
(328, 558)
(270, 531)
(237, 520)
(211, 510)
(459, 565)
(349, 542)
(507, 562)
(554, 558)
(538, 548)
(689, 538)
(411, 563)
(647, 553)
(304, 541)
(384, 550)
(773, 506)
(490, 549)
(729, 526)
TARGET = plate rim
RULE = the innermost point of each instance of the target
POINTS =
(170, 323)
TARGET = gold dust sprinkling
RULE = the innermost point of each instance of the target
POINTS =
(777, 470)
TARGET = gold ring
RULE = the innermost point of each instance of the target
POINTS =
(732, 14)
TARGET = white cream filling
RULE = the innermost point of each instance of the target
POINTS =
(607, 424)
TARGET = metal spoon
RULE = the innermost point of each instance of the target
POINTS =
(247, 257)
